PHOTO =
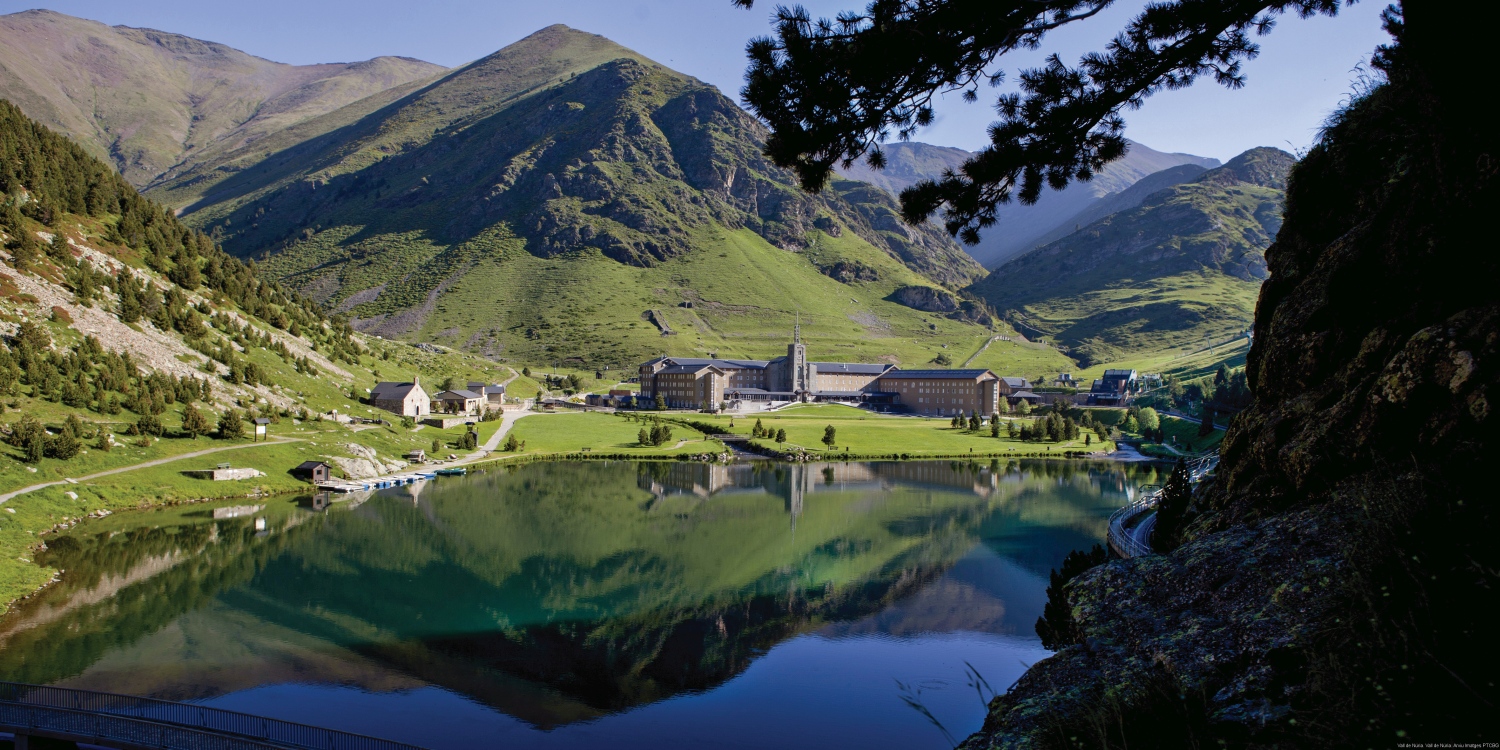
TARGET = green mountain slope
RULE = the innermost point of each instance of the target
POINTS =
(537, 203)
(1022, 228)
(113, 311)
(1182, 267)
(151, 102)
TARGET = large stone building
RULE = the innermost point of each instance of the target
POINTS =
(698, 383)
(406, 399)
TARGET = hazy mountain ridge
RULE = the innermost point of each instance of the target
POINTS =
(150, 101)
(1022, 228)
(1184, 264)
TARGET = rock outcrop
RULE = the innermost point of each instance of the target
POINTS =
(925, 298)
(365, 464)
(1336, 575)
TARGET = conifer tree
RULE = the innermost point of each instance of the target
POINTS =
(1056, 626)
(832, 90)
(830, 436)
(1171, 508)
(193, 422)
(231, 425)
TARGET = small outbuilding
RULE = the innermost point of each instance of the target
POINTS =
(312, 471)
(460, 401)
(494, 393)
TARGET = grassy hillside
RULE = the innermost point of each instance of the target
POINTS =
(1180, 270)
(538, 204)
(151, 102)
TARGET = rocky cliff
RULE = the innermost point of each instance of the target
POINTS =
(1335, 579)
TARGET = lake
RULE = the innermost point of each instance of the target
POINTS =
(586, 604)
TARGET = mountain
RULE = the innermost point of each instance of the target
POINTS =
(150, 102)
(1184, 265)
(907, 163)
(1125, 199)
(566, 196)
(1022, 228)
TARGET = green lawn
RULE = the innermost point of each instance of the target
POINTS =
(1187, 439)
(866, 434)
(26, 515)
(598, 432)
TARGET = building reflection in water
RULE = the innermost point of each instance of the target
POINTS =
(558, 593)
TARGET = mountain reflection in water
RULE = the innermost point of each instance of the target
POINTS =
(558, 593)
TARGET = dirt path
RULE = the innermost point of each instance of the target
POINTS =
(148, 464)
(506, 422)
(975, 355)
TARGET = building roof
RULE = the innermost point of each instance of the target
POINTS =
(723, 364)
(456, 394)
(850, 368)
(393, 391)
(1119, 373)
(1024, 394)
(311, 464)
(487, 389)
(757, 391)
(1017, 382)
(704, 365)
(840, 394)
(938, 374)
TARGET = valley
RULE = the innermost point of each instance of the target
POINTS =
(567, 199)
(550, 395)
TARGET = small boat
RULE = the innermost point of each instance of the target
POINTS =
(456, 471)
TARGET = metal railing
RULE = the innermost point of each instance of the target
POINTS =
(1122, 521)
(149, 722)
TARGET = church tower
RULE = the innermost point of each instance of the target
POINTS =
(797, 369)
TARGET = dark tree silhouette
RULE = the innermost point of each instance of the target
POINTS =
(1171, 509)
(1055, 626)
(833, 90)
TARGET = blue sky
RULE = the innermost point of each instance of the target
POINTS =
(1305, 69)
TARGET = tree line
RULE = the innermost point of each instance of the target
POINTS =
(44, 178)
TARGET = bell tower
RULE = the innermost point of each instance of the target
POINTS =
(796, 356)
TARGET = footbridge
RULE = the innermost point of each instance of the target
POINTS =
(1130, 527)
(129, 722)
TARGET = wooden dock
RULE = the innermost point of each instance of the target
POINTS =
(378, 483)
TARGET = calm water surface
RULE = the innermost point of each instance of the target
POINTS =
(586, 605)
